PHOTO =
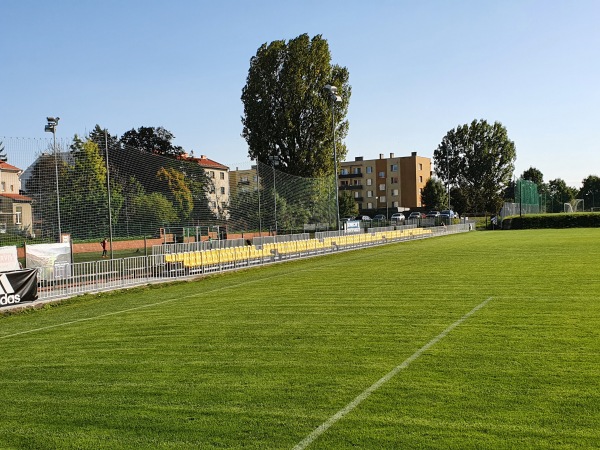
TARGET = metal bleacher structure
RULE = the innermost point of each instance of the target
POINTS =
(183, 261)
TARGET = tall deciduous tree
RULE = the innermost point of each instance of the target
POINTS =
(152, 140)
(84, 204)
(478, 158)
(560, 194)
(434, 195)
(590, 191)
(288, 113)
(348, 206)
(104, 139)
(179, 191)
(535, 175)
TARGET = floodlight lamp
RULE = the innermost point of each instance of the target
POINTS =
(49, 128)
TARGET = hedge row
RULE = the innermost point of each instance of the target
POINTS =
(560, 220)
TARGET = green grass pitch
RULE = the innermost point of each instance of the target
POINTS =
(262, 358)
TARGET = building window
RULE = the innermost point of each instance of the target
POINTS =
(12, 188)
(356, 183)
(212, 173)
(369, 194)
(222, 191)
(356, 194)
(394, 167)
(382, 187)
(344, 172)
(356, 170)
(381, 174)
(18, 214)
(344, 182)
(369, 169)
(395, 192)
(369, 205)
(222, 175)
(383, 199)
(420, 166)
(369, 182)
(420, 178)
(3, 187)
(394, 204)
(394, 180)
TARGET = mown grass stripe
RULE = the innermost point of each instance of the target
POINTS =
(375, 386)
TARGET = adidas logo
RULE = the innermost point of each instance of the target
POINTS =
(7, 292)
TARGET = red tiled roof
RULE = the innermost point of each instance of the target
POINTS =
(17, 197)
(204, 162)
(7, 166)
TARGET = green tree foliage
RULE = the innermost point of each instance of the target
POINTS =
(560, 194)
(590, 191)
(348, 206)
(535, 175)
(152, 211)
(103, 139)
(152, 140)
(287, 113)
(434, 196)
(179, 191)
(84, 203)
(478, 158)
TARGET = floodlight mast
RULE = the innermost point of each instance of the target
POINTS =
(51, 128)
(334, 98)
(274, 162)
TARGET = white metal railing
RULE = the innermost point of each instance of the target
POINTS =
(74, 279)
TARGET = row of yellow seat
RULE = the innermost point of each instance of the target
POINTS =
(248, 254)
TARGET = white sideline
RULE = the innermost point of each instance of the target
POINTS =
(367, 392)
(148, 305)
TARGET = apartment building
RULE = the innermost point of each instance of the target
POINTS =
(385, 185)
(243, 180)
(15, 208)
(218, 174)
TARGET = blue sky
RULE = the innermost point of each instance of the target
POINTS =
(417, 70)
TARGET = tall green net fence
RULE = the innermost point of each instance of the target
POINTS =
(92, 190)
(527, 200)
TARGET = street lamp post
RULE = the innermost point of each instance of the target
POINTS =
(274, 162)
(51, 128)
(335, 98)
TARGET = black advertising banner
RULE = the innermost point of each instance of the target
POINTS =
(18, 286)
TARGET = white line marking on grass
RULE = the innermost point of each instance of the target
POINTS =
(367, 392)
(149, 305)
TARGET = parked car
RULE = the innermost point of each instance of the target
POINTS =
(398, 217)
(363, 218)
(416, 215)
(433, 214)
(379, 217)
(447, 214)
